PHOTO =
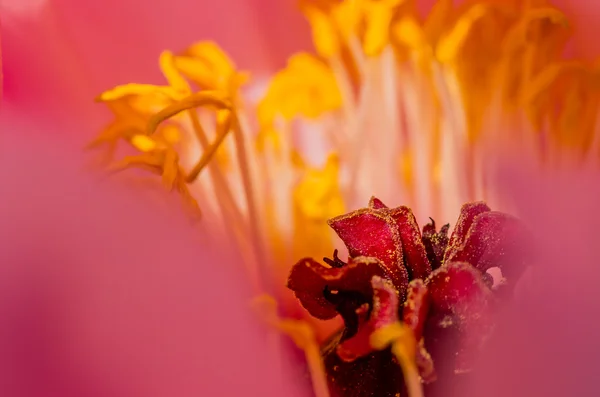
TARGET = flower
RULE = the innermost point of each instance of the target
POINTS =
(379, 67)
(439, 94)
(449, 310)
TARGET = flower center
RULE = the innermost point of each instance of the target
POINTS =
(407, 108)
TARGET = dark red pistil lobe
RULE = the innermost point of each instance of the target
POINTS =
(310, 280)
(384, 311)
(468, 212)
(461, 302)
(435, 243)
(413, 250)
(369, 233)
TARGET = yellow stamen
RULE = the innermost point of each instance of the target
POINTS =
(209, 67)
(325, 36)
(409, 32)
(203, 98)
(317, 198)
(223, 129)
(408, 110)
(143, 143)
(169, 70)
(378, 17)
(125, 90)
(404, 348)
(449, 45)
(314, 87)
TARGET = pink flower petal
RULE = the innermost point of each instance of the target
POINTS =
(102, 293)
(97, 45)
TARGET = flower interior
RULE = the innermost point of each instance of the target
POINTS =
(422, 302)
(408, 107)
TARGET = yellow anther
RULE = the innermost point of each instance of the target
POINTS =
(408, 32)
(325, 35)
(125, 90)
(209, 67)
(347, 16)
(199, 72)
(212, 54)
(378, 18)
(437, 20)
(314, 89)
(317, 197)
(318, 194)
(143, 143)
(140, 109)
(450, 45)
(174, 78)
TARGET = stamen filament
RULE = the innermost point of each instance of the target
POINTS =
(253, 221)
(222, 131)
(202, 98)
(145, 160)
(404, 348)
(222, 189)
(409, 370)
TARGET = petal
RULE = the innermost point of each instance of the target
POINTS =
(384, 311)
(584, 15)
(368, 232)
(309, 279)
(461, 303)
(104, 293)
(468, 212)
(413, 250)
(495, 239)
(453, 284)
